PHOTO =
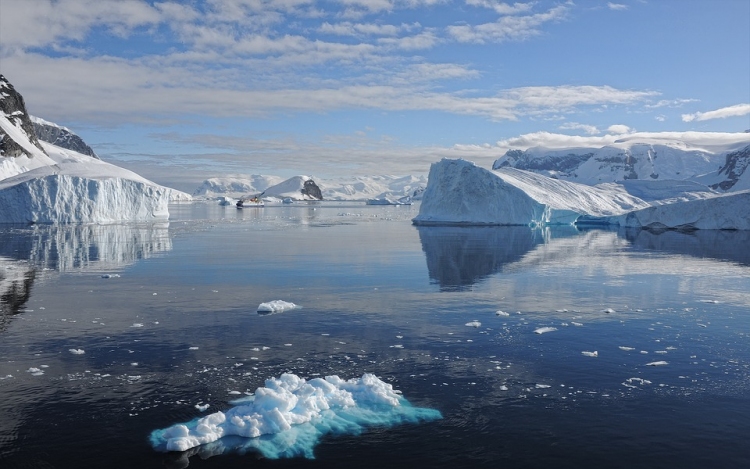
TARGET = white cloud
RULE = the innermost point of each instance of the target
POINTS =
(619, 129)
(737, 110)
(502, 8)
(589, 129)
(507, 28)
(661, 118)
(616, 6)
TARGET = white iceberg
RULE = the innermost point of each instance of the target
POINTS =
(460, 193)
(288, 416)
(276, 306)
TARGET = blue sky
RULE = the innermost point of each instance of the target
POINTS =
(183, 91)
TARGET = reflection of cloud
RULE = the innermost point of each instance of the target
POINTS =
(83, 247)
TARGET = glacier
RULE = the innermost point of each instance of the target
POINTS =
(460, 193)
(288, 416)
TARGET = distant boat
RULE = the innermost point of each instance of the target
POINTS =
(406, 200)
(251, 202)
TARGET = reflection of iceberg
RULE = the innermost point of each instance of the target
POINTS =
(15, 290)
(724, 245)
(458, 257)
(288, 416)
(81, 247)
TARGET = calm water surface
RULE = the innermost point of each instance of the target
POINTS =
(175, 324)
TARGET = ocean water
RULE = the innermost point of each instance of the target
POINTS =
(540, 348)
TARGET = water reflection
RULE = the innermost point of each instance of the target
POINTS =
(458, 257)
(67, 248)
(723, 245)
(27, 251)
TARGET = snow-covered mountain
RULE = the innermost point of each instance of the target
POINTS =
(355, 188)
(643, 157)
(60, 136)
(236, 186)
(460, 193)
(295, 188)
(44, 183)
(733, 175)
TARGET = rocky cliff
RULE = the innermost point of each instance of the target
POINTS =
(60, 136)
(13, 109)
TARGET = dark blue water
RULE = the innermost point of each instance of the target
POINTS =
(175, 325)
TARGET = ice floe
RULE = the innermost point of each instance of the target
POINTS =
(77, 351)
(289, 415)
(544, 330)
(473, 324)
(595, 353)
(657, 363)
(276, 306)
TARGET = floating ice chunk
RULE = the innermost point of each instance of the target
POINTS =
(111, 276)
(292, 414)
(503, 388)
(577, 324)
(275, 306)
(35, 371)
(193, 348)
(609, 311)
(544, 330)
(473, 324)
(137, 324)
(202, 407)
(542, 386)
(637, 380)
(595, 353)
(627, 349)
(77, 351)
(501, 313)
(659, 363)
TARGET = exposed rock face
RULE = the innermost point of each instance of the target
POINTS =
(13, 108)
(734, 167)
(310, 189)
(60, 136)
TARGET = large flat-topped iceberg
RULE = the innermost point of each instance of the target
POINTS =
(77, 188)
(461, 193)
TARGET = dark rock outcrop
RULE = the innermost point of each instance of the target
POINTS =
(13, 108)
(61, 137)
(310, 189)
(734, 167)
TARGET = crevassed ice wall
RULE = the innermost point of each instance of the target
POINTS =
(74, 199)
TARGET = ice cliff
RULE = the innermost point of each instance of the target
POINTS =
(460, 193)
(44, 183)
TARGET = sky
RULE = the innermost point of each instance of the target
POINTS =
(183, 91)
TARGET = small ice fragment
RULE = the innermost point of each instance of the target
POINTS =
(234, 392)
(111, 276)
(577, 324)
(501, 313)
(35, 371)
(543, 330)
(397, 346)
(542, 386)
(134, 364)
(659, 363)
(595, 353)
(503, 388)
(275, 306)
(609, 311)
(202, 408)
(627, 349)
(193, 348)
(137, 324)
(474, 324)
(76, 351)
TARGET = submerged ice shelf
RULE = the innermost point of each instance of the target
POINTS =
(288, 416)
(461, 193)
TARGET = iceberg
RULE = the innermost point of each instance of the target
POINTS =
(289, 415)
(275, 306)
(461, 193)
(44, 183)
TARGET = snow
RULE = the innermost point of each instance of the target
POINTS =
(293, 414)
(69, 187)
(460, 193)
(350, 188)
(276, 306)
(544, 330)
